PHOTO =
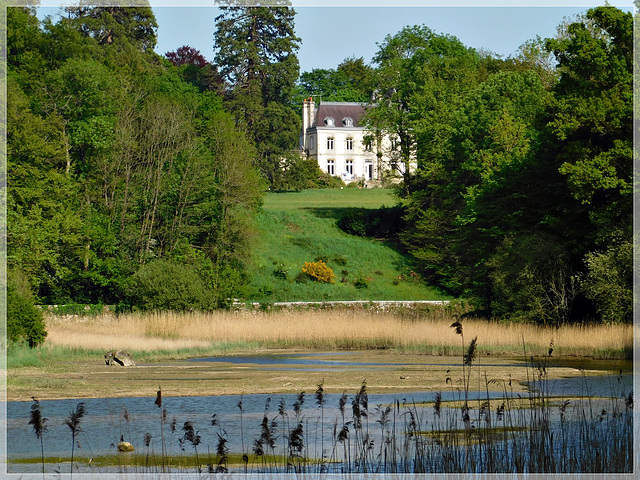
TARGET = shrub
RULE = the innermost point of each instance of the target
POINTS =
(281, 272)
(380, 223)
(342, 261)
(24, 319)
(165, 285)
(361, 283)
(302, 277)
(319, 271)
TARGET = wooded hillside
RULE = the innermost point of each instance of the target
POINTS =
(134, 178)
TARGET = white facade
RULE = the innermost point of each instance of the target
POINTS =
(333, 136)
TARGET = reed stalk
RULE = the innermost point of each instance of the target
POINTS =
(73, 422)
(39, 424)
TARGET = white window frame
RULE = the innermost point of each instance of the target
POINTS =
(330, 143)
(331, 167)
(349, 144)
(349, 167)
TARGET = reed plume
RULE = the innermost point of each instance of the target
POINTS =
(471, 352)
(39, 424)
(73, 422)
(191, 435)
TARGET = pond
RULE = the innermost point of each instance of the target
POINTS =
(108, 420)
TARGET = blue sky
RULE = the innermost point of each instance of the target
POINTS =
(332, 33)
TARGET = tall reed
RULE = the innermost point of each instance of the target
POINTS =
(424, 331)
(73, 422)
(39, 424)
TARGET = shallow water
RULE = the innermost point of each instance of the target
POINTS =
(314, 362)
(107, 420)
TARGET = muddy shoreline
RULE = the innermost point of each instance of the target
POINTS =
(383, 371)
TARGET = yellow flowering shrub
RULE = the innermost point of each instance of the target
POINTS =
(319, 271)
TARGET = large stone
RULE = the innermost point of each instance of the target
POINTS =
(119, 357)
(125, 447)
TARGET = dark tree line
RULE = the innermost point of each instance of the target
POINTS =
(522, 196)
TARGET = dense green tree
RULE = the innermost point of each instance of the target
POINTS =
(593, 112)
(115, 25)
(523, 204)
(592, 125)
(117, 159)
(24, 320)
(256, 54)
(420, 77)
(44, 229)
(23, 38)
(350, 82)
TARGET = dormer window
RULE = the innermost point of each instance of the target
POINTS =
(347, 122)
(329, 121)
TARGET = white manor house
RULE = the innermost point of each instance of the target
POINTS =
(333, 136)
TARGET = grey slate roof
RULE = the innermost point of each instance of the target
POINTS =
(339, 111)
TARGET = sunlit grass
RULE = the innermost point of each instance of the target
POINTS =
(428, 333)
(329, 198)
(301, 227)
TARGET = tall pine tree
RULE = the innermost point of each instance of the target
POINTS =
(256, 54)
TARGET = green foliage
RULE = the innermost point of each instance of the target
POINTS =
(298, 173)
(165, 285)
(24, 320)
(420, 79)
(116, 25)
(361, 282)
(608, 282)
(115, 159)
(592, 114)
(524, 175)
(385, 222)
(350, 82)
(255, 51)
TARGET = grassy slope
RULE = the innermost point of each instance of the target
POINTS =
(301, 227)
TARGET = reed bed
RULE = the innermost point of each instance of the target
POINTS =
(331, 329)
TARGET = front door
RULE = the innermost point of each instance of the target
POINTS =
(368, 171)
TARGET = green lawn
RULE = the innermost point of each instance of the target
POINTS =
(333, 198)
(295, 228)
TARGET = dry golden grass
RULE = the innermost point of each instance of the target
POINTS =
(327, 329)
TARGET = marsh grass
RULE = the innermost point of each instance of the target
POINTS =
(179, 335)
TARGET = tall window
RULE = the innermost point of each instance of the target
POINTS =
(330, 143)
(331, 167)
(349, 167)
(349, 143)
